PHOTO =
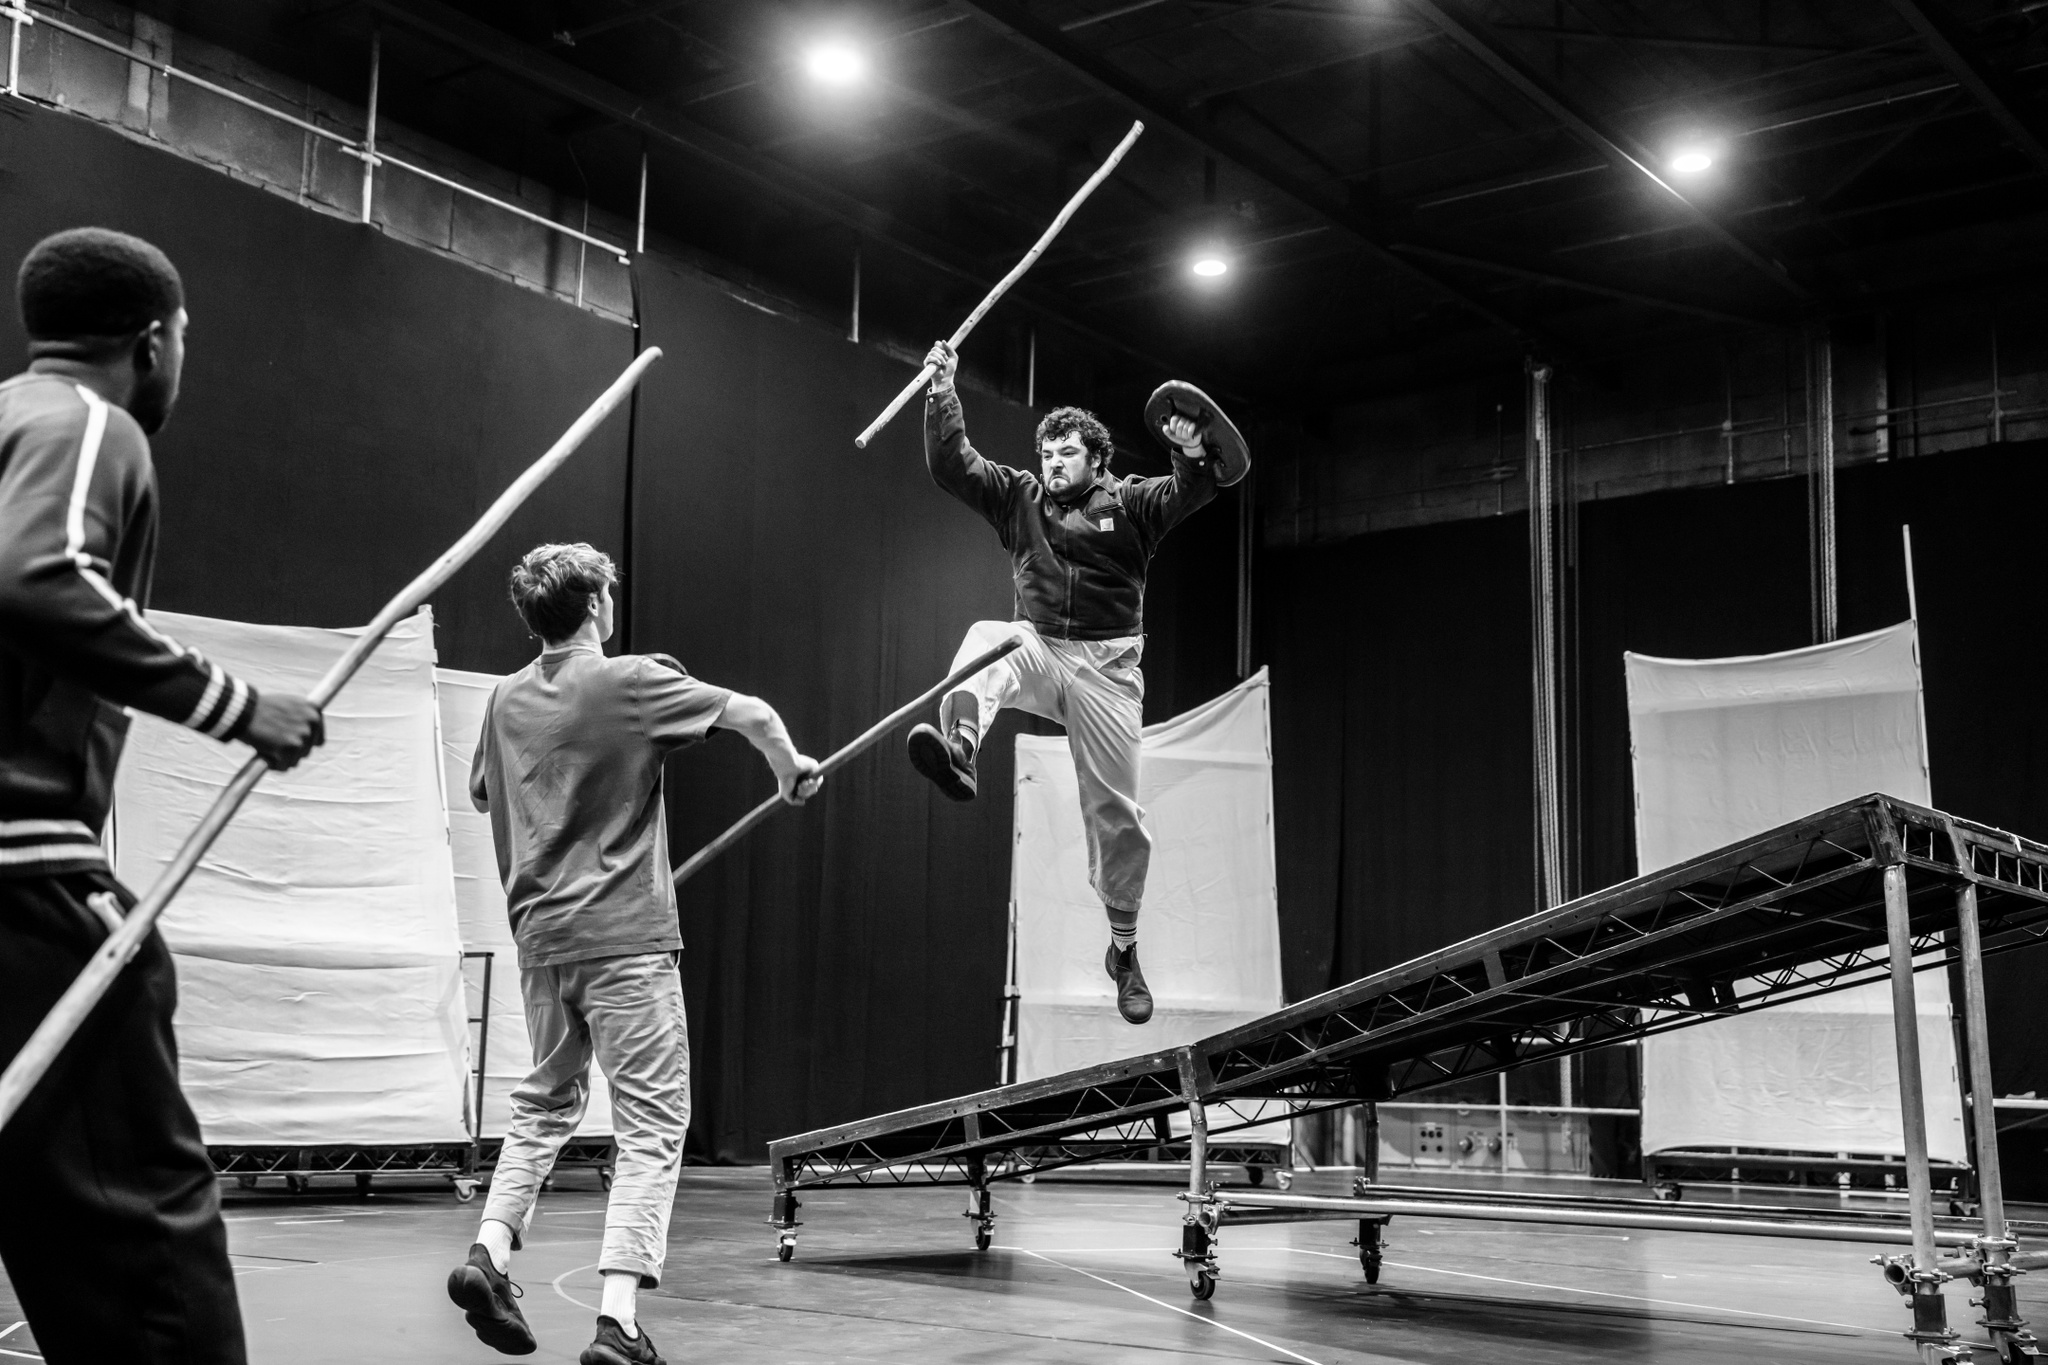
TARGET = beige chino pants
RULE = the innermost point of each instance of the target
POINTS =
(627, 1014)
(1094, 688)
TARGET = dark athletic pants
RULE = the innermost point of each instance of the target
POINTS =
(110, 1218)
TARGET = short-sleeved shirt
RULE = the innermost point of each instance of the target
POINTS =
(569, 767)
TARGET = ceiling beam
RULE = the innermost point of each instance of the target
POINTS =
(498, 49)
(1627, 155)
(1014, 20)
(1535, 274)
(1949, 42)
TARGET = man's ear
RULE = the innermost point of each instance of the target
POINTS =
(147, 349)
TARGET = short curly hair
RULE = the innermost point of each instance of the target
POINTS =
(1080, 422)
(94, 282)
(554, 585)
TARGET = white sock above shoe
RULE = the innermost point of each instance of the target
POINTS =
(620, 1301)
(1123, 939)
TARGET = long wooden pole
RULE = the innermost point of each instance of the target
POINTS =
(1003, 286)
(867, 737)
(78, 1000)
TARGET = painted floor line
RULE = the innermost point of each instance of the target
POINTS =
(566, 1294)
(11, 1329)
(1609, 1294)
(1171, 1308)
(18, 1355)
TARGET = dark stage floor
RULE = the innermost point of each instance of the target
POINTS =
(1080, 1273)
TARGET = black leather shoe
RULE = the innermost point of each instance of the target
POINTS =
(1133, 999)
(491, 1302)
(613, 1347)
(949, 763)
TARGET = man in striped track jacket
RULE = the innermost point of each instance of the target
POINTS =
(112, 1239)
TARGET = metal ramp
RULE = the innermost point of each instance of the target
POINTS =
(1799, 911)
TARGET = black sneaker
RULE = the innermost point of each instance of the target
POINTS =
(1133, 999)
(489, 1299)
(949, 763)
(611, 1346)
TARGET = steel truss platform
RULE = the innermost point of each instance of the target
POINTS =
(1814, 906)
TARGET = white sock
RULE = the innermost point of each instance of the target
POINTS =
(496, 1237)
(621, 1300)
(1123, 938)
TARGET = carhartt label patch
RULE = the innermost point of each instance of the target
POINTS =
(1106, 524)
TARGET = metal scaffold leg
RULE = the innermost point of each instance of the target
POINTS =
(1994, 1249)
(979, 1211)
(1918, 1276)
(1198, 1228)
(784, 1219)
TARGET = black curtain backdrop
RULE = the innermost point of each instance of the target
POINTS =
(350, 403)
(1401, 692)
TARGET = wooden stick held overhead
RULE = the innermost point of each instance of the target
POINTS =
(79, 998)
(1003, 286)
(866, 738)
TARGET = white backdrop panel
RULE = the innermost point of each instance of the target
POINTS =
(1209, 934)
(1727, 748)
(480, 908)
(320, 988)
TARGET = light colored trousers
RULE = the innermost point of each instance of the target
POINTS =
(1094, 688)
(627, 1012)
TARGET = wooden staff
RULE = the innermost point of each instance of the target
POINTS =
(120, 947)
(867, 737)
(1003, 287)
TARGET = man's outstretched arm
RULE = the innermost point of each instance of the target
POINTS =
(796, 775)
(1165, 500)
(955, 465)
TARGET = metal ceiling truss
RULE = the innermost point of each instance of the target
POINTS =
(497, 49)
(1788, 915)
(1952, 45)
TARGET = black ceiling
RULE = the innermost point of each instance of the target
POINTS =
(1408, 188)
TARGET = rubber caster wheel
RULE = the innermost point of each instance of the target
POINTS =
(362, 1182)
(1256, 1174)
(785, 1251)
(604, 1177)
(465, 1190)
(1284, 1179)
(1202, 1285)
(982, 1238)
(296, 1184)
(246, 1182)
(1372, 1268)
(1668, 1193)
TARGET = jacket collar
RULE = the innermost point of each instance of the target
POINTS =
(1105, 494)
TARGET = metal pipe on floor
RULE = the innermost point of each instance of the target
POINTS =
(1319, 1206)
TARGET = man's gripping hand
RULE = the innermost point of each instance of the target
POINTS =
(801, 782)
(1183, 432)
(946, 362)
(283, 729)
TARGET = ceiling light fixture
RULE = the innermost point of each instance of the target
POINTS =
(1209, 266)
(835, 63)
(1691, 160)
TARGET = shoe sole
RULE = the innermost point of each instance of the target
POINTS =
(928, 754)
(471, 1292)
(595, 1354)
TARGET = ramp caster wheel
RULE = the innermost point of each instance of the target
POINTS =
(1284, 1179)
(604, 1177)
(362, 1182)
(1256, 1174)
(296, 1184)
(785, 1249)
(1668, 1193)
(247, 1182)
(465, 1190)
(982, 1237)
(1202, 1284)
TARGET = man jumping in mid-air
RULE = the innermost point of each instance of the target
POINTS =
(1080, 541)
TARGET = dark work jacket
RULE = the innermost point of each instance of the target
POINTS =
(1078, 567)
(77, 543)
